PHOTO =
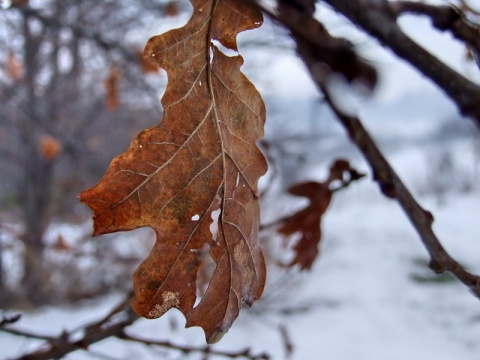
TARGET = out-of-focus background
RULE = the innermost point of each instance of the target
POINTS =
(74, 92)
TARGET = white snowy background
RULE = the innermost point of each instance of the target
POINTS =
(370, 295)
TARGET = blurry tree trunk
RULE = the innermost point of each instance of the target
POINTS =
(63, 52)
(36, 182)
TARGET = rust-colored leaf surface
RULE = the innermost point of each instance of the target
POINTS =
(146, 65)
(14, 67)
(307, 221)
(193, 178)
(49, 147)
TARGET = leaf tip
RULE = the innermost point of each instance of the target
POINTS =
(216, 335)
(96, 230)
(81, 196)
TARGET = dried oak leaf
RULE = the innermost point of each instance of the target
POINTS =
(49, 147)
(307, 221)
(145, 64)
(171, 9)
(111, 83)
(14, 67)
(193, 177)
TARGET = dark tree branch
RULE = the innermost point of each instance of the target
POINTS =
(333, 55)
(111, 325)
(57, 347)
(9, 319)
(393, 187)
(444, 18)
(26, 333)
(378, 19)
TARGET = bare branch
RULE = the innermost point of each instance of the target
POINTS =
(56, 347)
(26, 334)
(192, 349)
(444, 18)
(378, 19)
(9, 319)
(332, 54)
(111, 325)
(393, 187)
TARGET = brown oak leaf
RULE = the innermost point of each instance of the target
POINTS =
(111, 83)
(14, 67)
(49, 147)
(171, 9)
(193, 177)
(145, 64)
(307, 222)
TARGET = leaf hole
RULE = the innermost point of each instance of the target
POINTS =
(195, 217)
(205, 272)
(214, 225)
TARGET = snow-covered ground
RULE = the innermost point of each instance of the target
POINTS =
(370, 294)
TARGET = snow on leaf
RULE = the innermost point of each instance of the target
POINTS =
(188, 166)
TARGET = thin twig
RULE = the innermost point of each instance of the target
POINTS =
(59, 346)
(192, 349)
(9, 319)
(287, 340)
(111, 325)
(444, 18)
(26, 334)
